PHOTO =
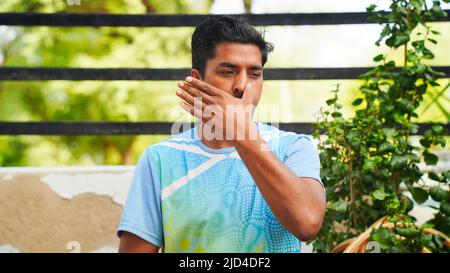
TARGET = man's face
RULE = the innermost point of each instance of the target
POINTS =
(236, 68)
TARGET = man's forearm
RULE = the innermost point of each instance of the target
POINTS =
(296, 202)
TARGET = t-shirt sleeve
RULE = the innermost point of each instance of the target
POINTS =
(142, 211)
(303, 159)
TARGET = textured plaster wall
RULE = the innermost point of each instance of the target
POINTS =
(61, 209)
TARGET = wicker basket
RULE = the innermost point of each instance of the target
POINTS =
(359, 244)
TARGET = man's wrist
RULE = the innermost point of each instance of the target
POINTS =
(247, 135)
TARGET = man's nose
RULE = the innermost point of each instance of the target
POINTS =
(240, 85)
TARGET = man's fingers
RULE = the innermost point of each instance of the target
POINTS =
(194, 92)
(197, 102)
(204, 87)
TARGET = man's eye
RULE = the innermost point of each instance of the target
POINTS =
(227, 73)
(255, 75)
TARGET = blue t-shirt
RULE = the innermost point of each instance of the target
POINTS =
(187, 197)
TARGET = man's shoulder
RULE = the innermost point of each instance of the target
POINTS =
(272, 133)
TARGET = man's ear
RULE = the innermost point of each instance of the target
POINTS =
(196, 74)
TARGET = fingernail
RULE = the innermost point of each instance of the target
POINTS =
(178, 92)
(189, 79)
(180, 84)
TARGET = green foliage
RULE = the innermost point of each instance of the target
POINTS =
(108, 47)
(12, 152)
(367, 158)
(405, 235)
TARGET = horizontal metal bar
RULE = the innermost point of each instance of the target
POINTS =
(86, 128)
(143, 74)
(91, 74)
(134, 128)
(180, 20)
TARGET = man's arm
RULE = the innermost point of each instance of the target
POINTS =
(141, 221)
(298, 203)
(130, 243)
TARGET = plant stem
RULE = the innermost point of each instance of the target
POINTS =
(405, 63)
(350, 185)
(405, 52)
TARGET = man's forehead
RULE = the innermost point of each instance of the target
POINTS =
(233, 65)
(237, 54)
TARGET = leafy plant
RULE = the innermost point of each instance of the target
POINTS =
(368, 158)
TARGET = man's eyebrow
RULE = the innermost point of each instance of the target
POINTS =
(230, 65)
(255, 67)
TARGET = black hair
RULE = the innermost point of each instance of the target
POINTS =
(218, 29)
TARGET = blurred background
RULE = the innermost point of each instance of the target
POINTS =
(73, 203)
(114, 47)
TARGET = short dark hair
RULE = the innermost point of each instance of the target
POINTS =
(218, 29)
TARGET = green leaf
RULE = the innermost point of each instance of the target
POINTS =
(412, 57)
(340, 206)
(382, 234)
(445, 208)
(389, 132)
(438, 194)
(425, 238)
(430, 159)
(409, 205)
(425, 142)
(434, 176)
(407, 232)
(420, 69)
(378, 58)
(371, 8)
(336, 114)
(379, 195)
(401, 40)
(418, 44)
(440, 141)
(437, 129)
(330, 101)
(419, 194)
(417, 4)
(400, 161)
(390, 64)
(369, 165)
(386, 147)
(427, 54)
(446, 175)
(357, 102)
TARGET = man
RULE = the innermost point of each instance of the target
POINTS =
(230, 184)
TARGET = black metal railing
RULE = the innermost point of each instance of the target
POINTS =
(142, 74)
